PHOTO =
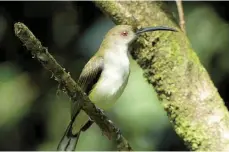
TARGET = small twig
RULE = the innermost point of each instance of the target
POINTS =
(70, 86)
(181, 15)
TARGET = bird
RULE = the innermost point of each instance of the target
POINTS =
(104, 78)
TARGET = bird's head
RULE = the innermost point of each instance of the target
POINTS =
(126, 34)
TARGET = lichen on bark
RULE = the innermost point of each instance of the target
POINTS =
(171, 66)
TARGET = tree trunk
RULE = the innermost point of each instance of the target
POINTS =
(170, 65)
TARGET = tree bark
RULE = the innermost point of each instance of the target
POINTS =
(171, 66)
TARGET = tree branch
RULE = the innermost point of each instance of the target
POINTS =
(170, 65)
(70, 86)
(181, 14)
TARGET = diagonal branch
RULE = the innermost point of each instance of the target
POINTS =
(170, 65)
(70, 86)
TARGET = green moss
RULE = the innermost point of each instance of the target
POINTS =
(190, 135)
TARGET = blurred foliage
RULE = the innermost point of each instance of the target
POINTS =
(33, 117)
(16, 92)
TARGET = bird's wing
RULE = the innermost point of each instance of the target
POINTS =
(88, 78)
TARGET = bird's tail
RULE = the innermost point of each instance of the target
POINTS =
(68, 141)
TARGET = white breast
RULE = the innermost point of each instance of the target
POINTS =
(113, 79)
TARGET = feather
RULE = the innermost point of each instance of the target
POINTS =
(87, 80)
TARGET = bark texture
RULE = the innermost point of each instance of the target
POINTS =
(171, 66)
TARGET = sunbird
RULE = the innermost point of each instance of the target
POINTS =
(104, 78)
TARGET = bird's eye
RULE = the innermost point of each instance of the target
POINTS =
(124, 33)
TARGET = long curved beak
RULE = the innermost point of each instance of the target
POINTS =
(157, 28)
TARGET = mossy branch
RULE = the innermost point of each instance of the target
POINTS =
(171, 66)
(70, 86)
